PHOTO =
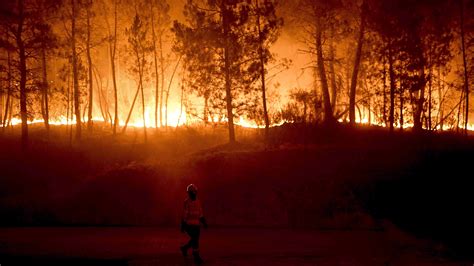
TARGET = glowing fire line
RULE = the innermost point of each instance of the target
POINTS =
(176, 118)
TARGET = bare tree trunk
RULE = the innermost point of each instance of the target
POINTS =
(262, 75)
(112, 53)
(384, 77)
(458, 120)
(68, 100)
(328, 115)
(9, 91)
(206, 110)
(168, 90)
(71, 111)
(99, 94)
(466, 78)
(91, 82)
(430, 91)
(355, 72)
(131, 109)
(440, 99)
(180, 106)
(402, 102)
(143, 104)
(332, 71)
(23, 73)
(162, 67)
(155, 57)
(77, 107)
(392, 87)
(12, 103)
(227, 66)
(45, 89)
(417, 123)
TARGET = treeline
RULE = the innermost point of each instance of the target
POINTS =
(392, 62)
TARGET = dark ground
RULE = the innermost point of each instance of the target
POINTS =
(219, 246)
(337, 196)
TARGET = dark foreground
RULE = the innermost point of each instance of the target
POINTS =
(158, 246)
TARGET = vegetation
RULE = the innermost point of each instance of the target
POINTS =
(370, 61)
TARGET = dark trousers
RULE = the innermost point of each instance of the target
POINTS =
(193, 231)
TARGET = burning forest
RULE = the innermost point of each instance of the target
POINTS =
(251, 63)
(285, 117)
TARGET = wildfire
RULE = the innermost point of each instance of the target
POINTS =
(364, 119)
(178, 118)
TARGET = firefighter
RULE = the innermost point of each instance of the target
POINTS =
(191, 222)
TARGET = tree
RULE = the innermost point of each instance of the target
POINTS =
(317, 17)
(75, 71)
(214, 51)
(26, 33)
(355, 71)
(160, 22)
(139, 49)
(268, 26)
(464, 61)
(90, 80)
(112, 41)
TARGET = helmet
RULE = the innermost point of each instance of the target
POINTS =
(191, 188)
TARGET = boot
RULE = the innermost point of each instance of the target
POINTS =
(197, 258)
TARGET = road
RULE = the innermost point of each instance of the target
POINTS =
(219, 246)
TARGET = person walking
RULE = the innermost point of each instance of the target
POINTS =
(191, 222)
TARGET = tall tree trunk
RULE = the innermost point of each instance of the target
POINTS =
(68, 100)
(131, 109)
(332, 71)
(91, 81)
(206, 110)
(391, 74)
(402, 102)
(45, 89)
(384, 77)
(417, 123)
(328, 115)
(112, 53)
(9, 91)
(355, 72)
(77, 107)
(23, 73)
(162, 68)
(12, 103)
(168, 90)
(466, 78)
(440, 100)
(262, 74)
(143, 103)
(181, 101)
(166, 107)
(99, 94)
(155, 57)
(430, 92)
(227, 66)
(458, 120)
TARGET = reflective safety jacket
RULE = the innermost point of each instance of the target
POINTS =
(192, 211)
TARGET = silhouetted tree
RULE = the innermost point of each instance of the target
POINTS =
(214, 49)
(139, 48)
